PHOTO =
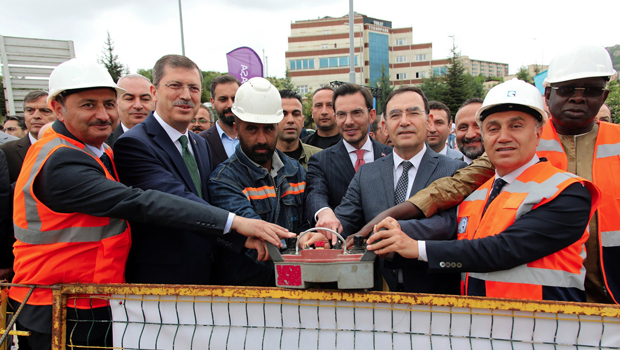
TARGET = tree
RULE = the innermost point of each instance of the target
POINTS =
(434, 88)
(384, 84)
(457, 88)
(475, 85)
(307, 110)
(613, 101)
(147, 73)
(111, 61)
(524, 74)
(288, 82)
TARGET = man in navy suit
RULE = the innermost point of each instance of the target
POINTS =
(392, 179)
(161, 154)
(331, 171)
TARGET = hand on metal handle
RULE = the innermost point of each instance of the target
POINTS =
(315, 229)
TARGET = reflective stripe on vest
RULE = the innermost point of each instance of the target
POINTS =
(35, 234)
(605, 170)
(297, 188)
(254, 193)
(538, 185)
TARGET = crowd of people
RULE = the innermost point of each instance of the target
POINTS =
(136, 182)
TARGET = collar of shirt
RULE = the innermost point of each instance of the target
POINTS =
(228, 142)
(369, 155)
(444, 150)
(174, 134)
(398, 167)
(98, 151)
(467, 160)
(125, 129)
(32, 139)
(510, 177)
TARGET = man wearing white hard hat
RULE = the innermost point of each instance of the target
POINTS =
(574, 141)
(70, 212)
(257, 181)
(521, 234)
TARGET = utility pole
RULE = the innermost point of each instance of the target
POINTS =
(181, 20)
(351, 45)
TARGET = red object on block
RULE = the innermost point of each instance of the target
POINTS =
(289, 275)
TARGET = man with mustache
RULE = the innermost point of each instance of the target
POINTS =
(258, 181)
(202, 121)
(467, 132)
(222, 137)
(162, 154)
(439, 129)
(134, 105)
(36, 114)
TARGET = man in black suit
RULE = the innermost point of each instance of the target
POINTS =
(134, 105)
(331, 171)
(36, 114)
(6, 222)
(222, 137)
(162, 154)
(392, 179)
(79, 232)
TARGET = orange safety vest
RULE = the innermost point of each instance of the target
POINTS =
(606, 175)
(537, 185)
(54, 247)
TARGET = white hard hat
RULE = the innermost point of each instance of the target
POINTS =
(258, 101)
(78, 73)
(589, 61)
(513, 95)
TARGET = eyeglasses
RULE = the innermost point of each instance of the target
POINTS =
(588, 91)
(44, 111)
(200, 121)
(356, 114)
(194, 89)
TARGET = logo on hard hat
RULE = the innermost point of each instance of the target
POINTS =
(511, 93)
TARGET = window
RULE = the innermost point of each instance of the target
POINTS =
(302, 89)
(344, 61)
(302, 64)
(401, 76)
(323, 63)
(420, 75)
(440, 71)
(333, 61)
(401, 59)
(401, 41)
(324, 46)
(421, 57)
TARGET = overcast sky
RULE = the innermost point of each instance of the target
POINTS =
(514, 32)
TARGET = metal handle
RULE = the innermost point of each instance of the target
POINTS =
(344, 242)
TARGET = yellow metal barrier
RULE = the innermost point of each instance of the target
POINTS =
(214, 317)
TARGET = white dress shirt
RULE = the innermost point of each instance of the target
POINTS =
(369, 154)
(413, 171)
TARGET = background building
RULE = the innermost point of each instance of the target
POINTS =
(318, 53)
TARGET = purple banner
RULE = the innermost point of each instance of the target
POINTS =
(244, 64)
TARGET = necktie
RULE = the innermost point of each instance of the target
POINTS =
(190, 162)
(360, 159)
(497, 188)
(108, 164)
(400, 194)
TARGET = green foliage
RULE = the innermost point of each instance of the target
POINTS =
(458, 88)
(111, 61)
(524, 75)
(434, 88)
(614, 52)
(307, 110)
(207, 78)
(613, 100)
(475, 86)
(147, 73)
(384, 84)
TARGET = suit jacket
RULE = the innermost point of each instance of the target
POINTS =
(7, 237)
(15, 152)
(329, 175)
(115, 135)
(454, 154)
(217, 151)
(147, 158)
(4, 138)
(372, 191)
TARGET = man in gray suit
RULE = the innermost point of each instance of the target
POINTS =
(387, 181)
(439, 130)
(4, 137)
